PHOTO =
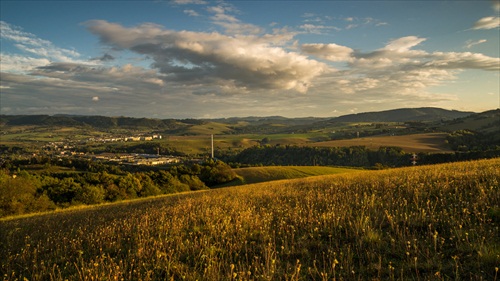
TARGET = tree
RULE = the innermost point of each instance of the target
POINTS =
(91, 194)
(21, 195)
(217, 172)
(62, 191)
(193, 182)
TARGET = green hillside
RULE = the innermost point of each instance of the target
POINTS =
(420, 223)
(487, 122)
(404, 115)
(270, 173)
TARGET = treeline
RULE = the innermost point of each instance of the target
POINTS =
(22, 192)
(356, 156)
(467, 140)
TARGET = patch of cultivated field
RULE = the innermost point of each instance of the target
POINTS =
(264, 174)
(437, 222)
(431, 142)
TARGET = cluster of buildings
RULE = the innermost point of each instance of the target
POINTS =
(67, 149)
(137, 159)
(127, 138)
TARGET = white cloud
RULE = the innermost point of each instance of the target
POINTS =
(38, 51)
(496, 5)
(241, 72)
(317, 29)
(230, 23)
(487, 23)
(18, 63)
(395, 73)
(194, 57)
(332, 52)
(469, 44)
(191, 13)
(189, 2)
(403, 44)
(355, 22)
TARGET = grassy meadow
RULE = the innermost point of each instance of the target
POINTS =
(437, 222)
(271, 173)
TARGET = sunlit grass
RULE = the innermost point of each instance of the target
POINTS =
(261, 174)
(436, 222)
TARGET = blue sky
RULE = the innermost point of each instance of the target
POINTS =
(210, 59)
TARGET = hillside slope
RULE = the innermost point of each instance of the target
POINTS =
(270, 173)
(484, 122)
(404, 115)
(424, 223)
(243, 125)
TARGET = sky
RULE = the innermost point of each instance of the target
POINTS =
(215, 59)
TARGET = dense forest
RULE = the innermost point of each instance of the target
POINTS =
(357, 156)
(22, 192)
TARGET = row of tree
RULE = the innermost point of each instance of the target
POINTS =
(23, 192)
(356, 156)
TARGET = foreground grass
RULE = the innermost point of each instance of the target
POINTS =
(426, 223)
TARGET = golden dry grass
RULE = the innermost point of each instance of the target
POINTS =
(436, 222)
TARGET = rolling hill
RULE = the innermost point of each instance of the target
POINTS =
(271, 173)
(484, 122)
(241, 125)
(404, 115)
(435, 222)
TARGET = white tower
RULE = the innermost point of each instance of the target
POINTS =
(212, 136)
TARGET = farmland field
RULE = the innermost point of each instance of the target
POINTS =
(432, 142)
(437, 222)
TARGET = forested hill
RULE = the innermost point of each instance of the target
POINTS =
(172, 125)
(92, 121)
(404, 115)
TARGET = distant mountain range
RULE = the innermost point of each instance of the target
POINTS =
(425, 114)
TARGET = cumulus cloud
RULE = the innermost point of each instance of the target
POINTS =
(395, 73)
(331, 52)
(192, 57)
(487, 23)
(234, 70)
(399, 54)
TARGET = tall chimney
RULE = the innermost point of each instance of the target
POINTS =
(212, 146)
